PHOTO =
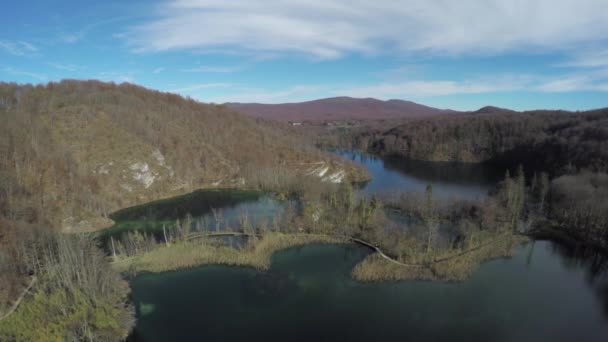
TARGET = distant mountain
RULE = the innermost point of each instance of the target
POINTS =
(493, 110)
(337, 109)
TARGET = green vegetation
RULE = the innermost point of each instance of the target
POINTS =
(452, 236)
(64, 315)
(568, 150)
(75, 151)
(578, 208)
(186, 254)
(552, 141)
(450, 265)
(77, 296)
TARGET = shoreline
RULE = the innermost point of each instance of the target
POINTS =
(376, 267)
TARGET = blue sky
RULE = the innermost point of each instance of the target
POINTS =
(520, 54)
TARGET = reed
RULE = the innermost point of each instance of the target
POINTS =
(190, 254)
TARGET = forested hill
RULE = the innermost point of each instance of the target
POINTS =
(338, 109)
(74, 151)
(547, 140)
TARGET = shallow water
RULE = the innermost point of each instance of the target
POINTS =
(449, 180)
(208, 211)
(544, 293)
(540, 294)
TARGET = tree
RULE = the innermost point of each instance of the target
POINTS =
(513, 195)
(429, 218)
(544, 185)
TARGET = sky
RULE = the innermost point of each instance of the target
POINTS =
(463, 55)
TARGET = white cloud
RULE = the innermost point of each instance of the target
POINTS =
(571, 82)
(117, 76)
(426, 88)
(158, 70)
(589, 59)
(200, 86)
(419, 89)
(67, 67)
(18, 48)
(17, 72)
(71, 38)
(328, 29)
(414, 89)
(577, 82)
(213, 69)
(293, 94)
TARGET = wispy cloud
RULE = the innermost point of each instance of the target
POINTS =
(588, 59)
(117, 76)
(158, 70)
(199, 86)
(422, 88)
(581, 81)
(18, 72)
(291, 94)
(77, 35)
(214, 69)
(329, 29)
(419, 89)
(570, 82)
(67, 67)
(18, 48)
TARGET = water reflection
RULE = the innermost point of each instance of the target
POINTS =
(594, 262)
(540, 294)
(204, 210)
(450, 180)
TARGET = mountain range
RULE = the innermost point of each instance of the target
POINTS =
(338, 109)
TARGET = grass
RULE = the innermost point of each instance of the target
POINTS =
(60, 315)
(195, 253)
(451, 266)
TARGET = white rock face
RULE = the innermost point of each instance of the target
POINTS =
(143, 174)
(103, 169)
(321, 169)
(336, 177)
(160, 159)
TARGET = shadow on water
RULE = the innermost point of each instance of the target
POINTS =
(458, 180)
(545, 292)
(594, 262)
(540, 294)
(207, 209)
(197, 203)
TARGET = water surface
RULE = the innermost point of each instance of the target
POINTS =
(206, 210)
(541, 294)
(544, 293)
(449, 180)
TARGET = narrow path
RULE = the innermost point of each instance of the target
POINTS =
(381, 253)
(18, 301)
(369, 245)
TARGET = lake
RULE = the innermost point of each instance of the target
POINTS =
(540, 294)
(449, 180)
(208, 210)
(543, 293)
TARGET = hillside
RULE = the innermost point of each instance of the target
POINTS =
(337, 109)
(548, 140)
(73, 152)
